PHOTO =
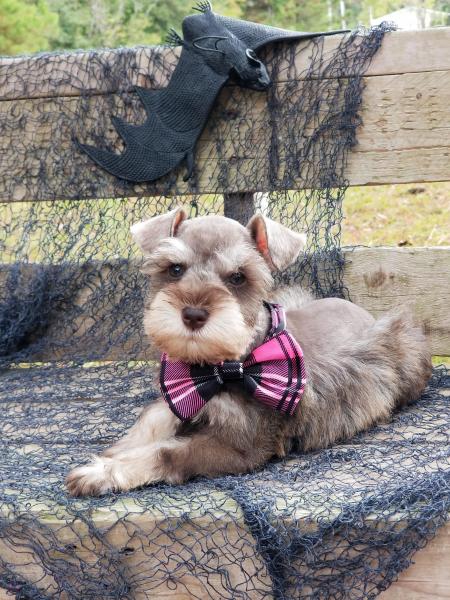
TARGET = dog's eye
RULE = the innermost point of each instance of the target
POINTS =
(176, 271)
(237, 278)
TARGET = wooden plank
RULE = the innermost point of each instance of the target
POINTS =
(412, 52)
(378, 279)
(397, 109)
(147, 539)
(175, 549)
(72, 331)
(399, 112)
(138, 541)
(70, 74)
(418, 590)
(370, 168)
(428, 578)
(201, 540)
(404, 139)
(85, 72)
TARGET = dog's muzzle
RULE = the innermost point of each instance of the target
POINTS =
(273, 374)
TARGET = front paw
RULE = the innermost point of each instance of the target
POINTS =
(93, 479)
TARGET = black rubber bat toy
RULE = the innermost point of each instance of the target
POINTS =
(214, 48)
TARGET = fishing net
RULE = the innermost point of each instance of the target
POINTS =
(75, 372)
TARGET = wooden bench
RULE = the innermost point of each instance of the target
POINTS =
(404, 138)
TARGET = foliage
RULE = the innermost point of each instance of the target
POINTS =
(31, 25)
(111, 23)
(26, 26)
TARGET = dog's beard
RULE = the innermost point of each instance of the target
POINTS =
(225, 335)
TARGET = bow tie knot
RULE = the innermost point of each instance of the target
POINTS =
(273, 374)
(231, 370)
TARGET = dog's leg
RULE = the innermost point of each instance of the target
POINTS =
(126, 469)
(208, 455)
(173, 461)
(156, 423)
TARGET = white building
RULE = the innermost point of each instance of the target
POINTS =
(413, 17)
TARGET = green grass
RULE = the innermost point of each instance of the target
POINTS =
(441, 360)
(397, 215)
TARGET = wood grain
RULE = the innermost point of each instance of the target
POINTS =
(66, 74)
(404, 138)
(398, 111)
(82, 72)
(378, 279)
(204, 543)
(214, 542)
(428, 578)
(205, 553)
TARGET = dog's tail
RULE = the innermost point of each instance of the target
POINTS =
(397, 350)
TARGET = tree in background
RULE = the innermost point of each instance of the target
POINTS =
(291, 14)
(26, 26)
(328, 14)
(318, 14)
(111, 23)
(33, 25)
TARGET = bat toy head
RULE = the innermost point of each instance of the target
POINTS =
(251, 73)
(213, 49)
(222, 50)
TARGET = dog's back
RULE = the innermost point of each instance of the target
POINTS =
(360, 369)
(329, 326)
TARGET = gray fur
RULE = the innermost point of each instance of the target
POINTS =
(360, 370)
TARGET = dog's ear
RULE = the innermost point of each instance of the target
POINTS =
(148, 234)
(278, 245)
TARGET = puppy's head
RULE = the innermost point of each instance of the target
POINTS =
(209, 276)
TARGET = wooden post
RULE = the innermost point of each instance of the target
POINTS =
(239, 206)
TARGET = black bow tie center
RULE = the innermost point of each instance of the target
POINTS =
(231, 370)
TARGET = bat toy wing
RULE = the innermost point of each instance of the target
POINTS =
(130, 164)
(176, 115)
(256, 35)
(213, 48)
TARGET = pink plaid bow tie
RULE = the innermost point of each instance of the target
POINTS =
(274, 374)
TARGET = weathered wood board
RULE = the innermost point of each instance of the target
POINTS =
(428, 578)
(404, 138)
(146, 541)
(378, 279)
(209, 552)
(66, 74)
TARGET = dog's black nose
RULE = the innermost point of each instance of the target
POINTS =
(194, 318)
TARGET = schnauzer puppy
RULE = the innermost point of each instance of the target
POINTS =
(239, 384)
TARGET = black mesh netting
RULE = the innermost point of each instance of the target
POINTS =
(338, 523)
